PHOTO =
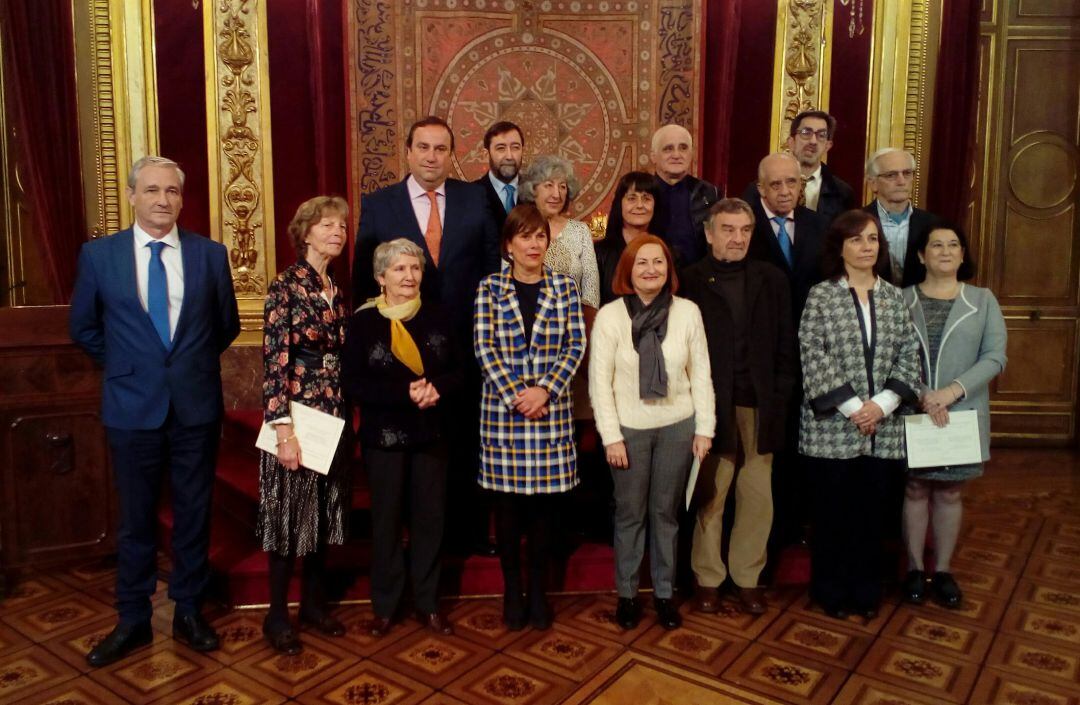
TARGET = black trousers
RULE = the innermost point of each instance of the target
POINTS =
(141, 459)
(531, 516)
(850, 498)
(417, 475)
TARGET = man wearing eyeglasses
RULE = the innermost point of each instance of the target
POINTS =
(809, 141)
(890, 172)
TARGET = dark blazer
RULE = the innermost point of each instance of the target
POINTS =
(835, 196)
(702, 196)
(920, 222)
(142, 379)
(494, 200)
(770, 343)
(809, 236)
(469, 248)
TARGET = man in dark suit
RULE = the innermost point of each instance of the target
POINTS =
(684, 199)
(458, 236)
(890, 172)
(155, 306)
(460, 242)
(504, 143)
(797, 249)
(809, 140)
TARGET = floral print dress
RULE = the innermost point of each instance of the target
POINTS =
(301, 510)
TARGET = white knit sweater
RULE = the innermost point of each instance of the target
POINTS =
(613, 374)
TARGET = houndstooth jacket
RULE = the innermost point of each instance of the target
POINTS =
(837, 364)
(527, 456)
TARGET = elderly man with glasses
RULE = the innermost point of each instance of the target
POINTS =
(890, 173)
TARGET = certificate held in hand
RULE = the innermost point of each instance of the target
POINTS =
(957, 443)
(317, 432)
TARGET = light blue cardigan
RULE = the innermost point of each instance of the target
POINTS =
(972, 350)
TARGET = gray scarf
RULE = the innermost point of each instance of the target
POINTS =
(648, 326)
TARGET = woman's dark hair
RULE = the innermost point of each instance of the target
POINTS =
(522, 218)
(638, 181)
(622, 283)
(922, 239)
(846, 226)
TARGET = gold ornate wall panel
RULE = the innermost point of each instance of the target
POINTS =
(802, 64)
(1027, 210)
(238, 140)
(903, 61)
(589, 80)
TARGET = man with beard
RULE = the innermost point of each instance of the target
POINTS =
(504, 143)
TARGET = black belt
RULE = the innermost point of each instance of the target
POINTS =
(313, 359)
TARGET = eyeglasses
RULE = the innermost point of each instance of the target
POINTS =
(895, 175)
(808, 132)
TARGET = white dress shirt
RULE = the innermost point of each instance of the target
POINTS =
(790, 226)
(421, 204)
(812, 189)
(887, 399)
(174, 271)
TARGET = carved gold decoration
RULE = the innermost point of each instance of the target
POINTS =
(903, 59)
(241, 181)
(802, 62)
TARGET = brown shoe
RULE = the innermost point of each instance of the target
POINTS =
(435, 622)
(706, 599)
(380, 626)
(752, 600)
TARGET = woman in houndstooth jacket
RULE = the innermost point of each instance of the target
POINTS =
(529, 338)
(860, 361)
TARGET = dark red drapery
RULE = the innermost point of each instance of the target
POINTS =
(722, 19)
(39, 49)
(956, 98)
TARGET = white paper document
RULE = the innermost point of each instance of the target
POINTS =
(318, 433)
(695, 468)
(957, 443)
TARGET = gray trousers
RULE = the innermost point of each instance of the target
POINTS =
(652, 487)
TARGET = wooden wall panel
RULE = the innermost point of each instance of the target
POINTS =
(1042, 356)
(1038, 267)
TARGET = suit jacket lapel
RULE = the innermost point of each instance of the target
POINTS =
(193, 278)
(127, 283)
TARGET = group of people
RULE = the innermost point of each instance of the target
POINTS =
(776, 339)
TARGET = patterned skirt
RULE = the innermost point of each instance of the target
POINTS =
(301, 510)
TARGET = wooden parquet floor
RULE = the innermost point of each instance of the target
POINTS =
(1016, 640)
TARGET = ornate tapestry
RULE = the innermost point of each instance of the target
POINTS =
(589, 80)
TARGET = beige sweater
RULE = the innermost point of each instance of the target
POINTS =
(613, 374)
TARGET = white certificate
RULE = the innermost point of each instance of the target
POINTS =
(317, 432)
(958, 443)
(695, 468)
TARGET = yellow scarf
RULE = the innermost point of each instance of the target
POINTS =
(401, 343)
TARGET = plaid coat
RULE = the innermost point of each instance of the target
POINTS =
(518, 454)
(838, 363)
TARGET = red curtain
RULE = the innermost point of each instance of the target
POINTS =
(952, 142)
(722, 19)
(39, 61)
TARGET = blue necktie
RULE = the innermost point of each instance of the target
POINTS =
(157, 294)
(508, 201)
(783, 239)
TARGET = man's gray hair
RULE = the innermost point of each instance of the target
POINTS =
(654, 144)
(387, 252)
(871, 163)
(152, 160)
(544, 168)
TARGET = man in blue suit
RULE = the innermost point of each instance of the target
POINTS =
(451, 221)
(154, 305)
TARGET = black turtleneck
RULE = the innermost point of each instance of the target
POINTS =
(731, 278)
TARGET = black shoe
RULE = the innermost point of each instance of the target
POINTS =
(484, 548)
(539, 614)
(195, 631)
(514, 613)
(627, 613)
(667, 614)
(120, 642)
(283, 638)
(913, 589)
(945, 591)
(867, 613)
(835, 612)
(322, 622)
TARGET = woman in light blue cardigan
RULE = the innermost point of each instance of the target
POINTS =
(962, 347)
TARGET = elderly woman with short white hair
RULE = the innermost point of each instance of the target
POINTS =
(400, 363)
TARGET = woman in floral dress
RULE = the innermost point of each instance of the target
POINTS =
(300, 510)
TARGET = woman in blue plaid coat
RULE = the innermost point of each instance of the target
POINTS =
(529, 338)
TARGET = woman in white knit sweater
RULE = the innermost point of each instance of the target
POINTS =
(652, 396)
